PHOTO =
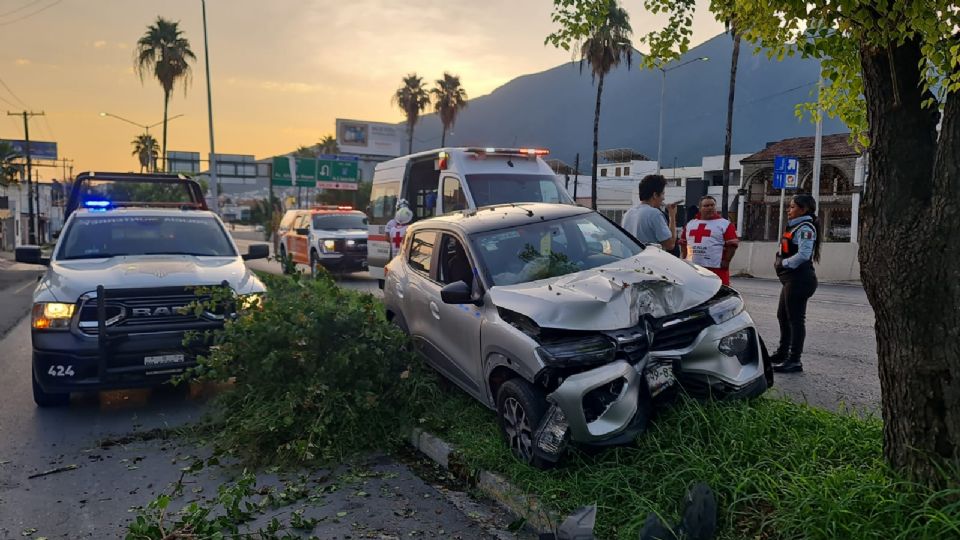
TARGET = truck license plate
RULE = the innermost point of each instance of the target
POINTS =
(163, 359)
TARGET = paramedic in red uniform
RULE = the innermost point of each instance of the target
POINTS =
(710, 240)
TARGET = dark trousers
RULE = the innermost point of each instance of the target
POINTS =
(798, 287)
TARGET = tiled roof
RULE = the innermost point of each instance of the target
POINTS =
(802, 147)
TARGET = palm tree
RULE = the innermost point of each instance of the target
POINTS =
(145, 149)
(8, 170)
(164, 52)
(608, 44)
(413, 98)
(328, 145)
(449, 98)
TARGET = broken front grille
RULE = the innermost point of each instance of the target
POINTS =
(679, 332)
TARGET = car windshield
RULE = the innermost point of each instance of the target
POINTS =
(339, 222)
(488, 189)
(552, 248)
(112, 236)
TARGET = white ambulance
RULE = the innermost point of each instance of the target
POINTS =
(446, 180)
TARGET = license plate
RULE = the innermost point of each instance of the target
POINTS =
(163, 359)
(659, 378)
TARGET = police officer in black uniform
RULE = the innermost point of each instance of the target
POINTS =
(799, 249)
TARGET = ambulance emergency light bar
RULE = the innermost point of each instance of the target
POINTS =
(443, 159)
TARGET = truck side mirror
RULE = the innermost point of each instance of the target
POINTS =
(257, 251)
(30, 255)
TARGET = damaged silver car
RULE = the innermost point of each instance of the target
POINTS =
(569, 328)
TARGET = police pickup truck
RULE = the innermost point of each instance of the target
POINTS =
(114, 305)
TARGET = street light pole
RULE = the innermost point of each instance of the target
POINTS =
(663, 84)
(213, 154)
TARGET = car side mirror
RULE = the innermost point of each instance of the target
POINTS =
(30, 255)
(56, 235)
(457, 292)
(257, 251)
(303, 232)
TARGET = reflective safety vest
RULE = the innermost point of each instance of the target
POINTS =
(789, 248)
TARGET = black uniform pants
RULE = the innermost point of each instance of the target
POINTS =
(798, 287)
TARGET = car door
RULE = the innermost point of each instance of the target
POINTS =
(456, 327)
(418, 261)
(299, 248)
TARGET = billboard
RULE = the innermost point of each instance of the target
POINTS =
(369, 138)
(38, 149)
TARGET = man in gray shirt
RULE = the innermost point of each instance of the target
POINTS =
(645, 221)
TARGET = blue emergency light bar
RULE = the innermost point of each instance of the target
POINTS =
(96, 204)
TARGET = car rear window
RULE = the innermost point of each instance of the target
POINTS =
(111, 236)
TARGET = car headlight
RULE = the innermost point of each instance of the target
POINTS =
(590, 350)
(51, 316)
(251, 301)
(327, 246)
(726, 309)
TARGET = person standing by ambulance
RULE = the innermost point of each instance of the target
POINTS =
(710, 240)
(799, 249)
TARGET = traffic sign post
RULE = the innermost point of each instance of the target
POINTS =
(786, 175)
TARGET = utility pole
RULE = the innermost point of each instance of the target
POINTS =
(576, 176)
(213, 155)
(31, 227)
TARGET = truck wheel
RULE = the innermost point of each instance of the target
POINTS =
(46, 399)
(315, 267)
(520, 408)
(283, 259)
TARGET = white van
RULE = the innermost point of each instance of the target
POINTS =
(446, 180)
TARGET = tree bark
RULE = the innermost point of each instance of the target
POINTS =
(443, 137)
(166, 103)
(409, 137)
(596, 133)
(734, 61)
(909, 218)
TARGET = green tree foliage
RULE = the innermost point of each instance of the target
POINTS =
(598, 31)
(328, 145)
(892, 73)
(8, 169)
(146, 151)
(449, 98)
(412, 98)
(166, 54)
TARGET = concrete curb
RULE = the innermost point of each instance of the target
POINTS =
(520, 504)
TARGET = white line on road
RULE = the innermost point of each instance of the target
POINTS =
(25, 285)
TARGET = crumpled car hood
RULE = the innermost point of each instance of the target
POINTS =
(613, 296)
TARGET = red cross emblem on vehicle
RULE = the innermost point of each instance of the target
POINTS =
(700, 232)
(397, 239)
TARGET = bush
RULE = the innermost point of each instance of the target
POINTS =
(318, 373)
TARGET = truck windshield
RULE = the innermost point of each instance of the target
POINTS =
(112, 236)
(490, 189)
(339, 222)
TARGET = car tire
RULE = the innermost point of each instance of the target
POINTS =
(520, 408)
(314, 263)
(283, 259)
(48, 399)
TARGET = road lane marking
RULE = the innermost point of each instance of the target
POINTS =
(25, 285)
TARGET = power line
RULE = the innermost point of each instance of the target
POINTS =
(2, 82)
(21, 8)
(31, 14)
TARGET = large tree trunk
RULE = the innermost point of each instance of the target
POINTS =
(409, 137)
(909, 219)
(725, 207)
(443, 137)
(596, 134)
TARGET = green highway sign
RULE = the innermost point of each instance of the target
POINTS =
(306, 172)
(331, 170)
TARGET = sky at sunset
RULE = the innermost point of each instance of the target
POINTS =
(282, 70)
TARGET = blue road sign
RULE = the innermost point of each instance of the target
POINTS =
(786, 172)
(38, 149)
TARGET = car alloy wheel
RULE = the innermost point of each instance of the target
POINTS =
(518, 430)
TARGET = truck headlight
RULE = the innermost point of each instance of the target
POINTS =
(726, 309)
(590, 350)
(51, 315)
(327, 246)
